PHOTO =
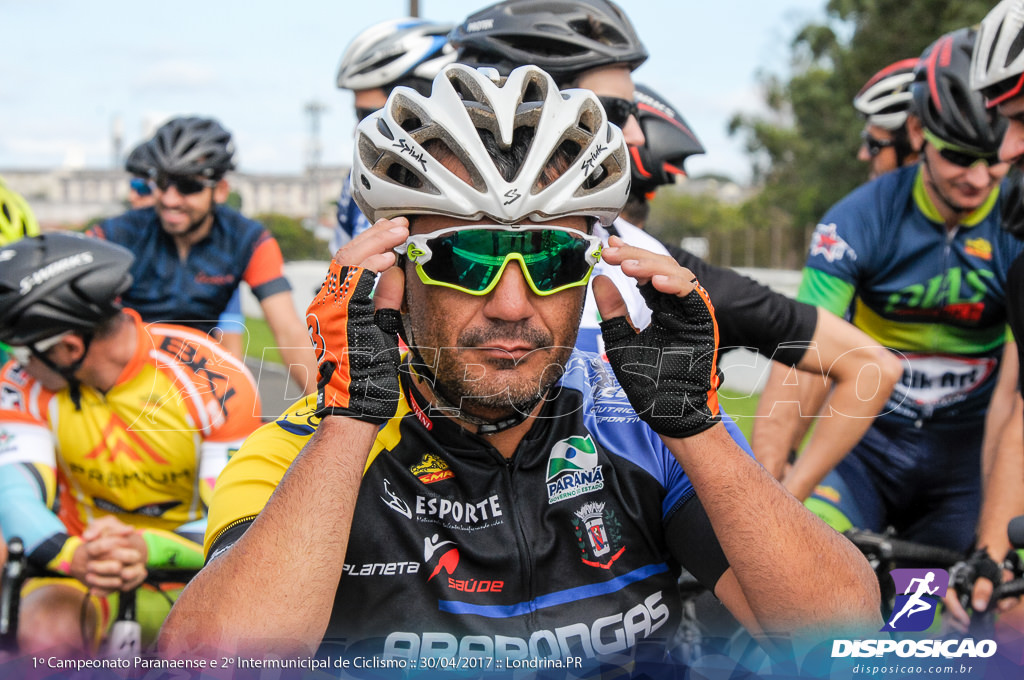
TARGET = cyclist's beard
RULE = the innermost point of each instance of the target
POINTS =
(198, 223)
(504, 391)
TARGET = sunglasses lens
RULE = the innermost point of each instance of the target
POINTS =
(873, 144)
(958, 156)
(141, 187)
(618, 110)
(186, 186)
(964, 159)
(472, 259)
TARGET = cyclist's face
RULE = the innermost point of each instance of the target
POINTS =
(614, 81)
(501, 351)
(877, 151)
(966, 188)
(1012, 148)
(181, 213)
(367, 101)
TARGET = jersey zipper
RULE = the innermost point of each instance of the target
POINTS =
(523, 543)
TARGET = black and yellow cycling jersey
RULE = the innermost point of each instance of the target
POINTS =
(570, 548)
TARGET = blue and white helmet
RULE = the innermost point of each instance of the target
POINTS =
(394, 50)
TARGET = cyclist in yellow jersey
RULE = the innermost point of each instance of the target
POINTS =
(112, 432)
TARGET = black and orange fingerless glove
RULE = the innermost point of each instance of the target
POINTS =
(356, 348)
(669, 370)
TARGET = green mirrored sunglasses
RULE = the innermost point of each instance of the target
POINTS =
(471, 259)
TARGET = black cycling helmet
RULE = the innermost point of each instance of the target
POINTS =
(140, 162)
(668, 141)
(57, 283)
(193, 146)
(563, 37)
(944, 100)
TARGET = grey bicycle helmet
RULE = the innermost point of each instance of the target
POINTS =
(193, 146)
(668, 141)
(944, 100)
(140, 161)
(997, 66)
(396, 50)
(398, 168)
(885, 99)
(563, 37)
(59, 282)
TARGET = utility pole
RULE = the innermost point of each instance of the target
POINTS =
(414, 8)
(117, 141)
(314, 109)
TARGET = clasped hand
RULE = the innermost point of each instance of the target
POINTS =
(112, 557)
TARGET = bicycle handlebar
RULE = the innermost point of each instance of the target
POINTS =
(894, 549)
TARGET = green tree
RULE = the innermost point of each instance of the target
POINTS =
(297, 242)
(803, 151)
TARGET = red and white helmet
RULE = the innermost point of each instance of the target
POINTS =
(885, 99)
(997, 64)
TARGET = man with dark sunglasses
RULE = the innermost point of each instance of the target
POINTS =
(920, 259)
(884, 103)
(497, 494)
(192, 251)
(404, 52)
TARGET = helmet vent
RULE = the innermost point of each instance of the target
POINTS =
(1015, 48)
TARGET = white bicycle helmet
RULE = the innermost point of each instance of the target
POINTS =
(393, 50)
(398, 169)
(997, 64)
(885, 99)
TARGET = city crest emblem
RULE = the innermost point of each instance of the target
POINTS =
(599, 535)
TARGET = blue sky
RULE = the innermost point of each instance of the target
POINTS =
(74, 68)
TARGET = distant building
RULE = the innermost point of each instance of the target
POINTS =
(65, 197)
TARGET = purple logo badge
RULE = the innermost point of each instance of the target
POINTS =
(918, 592)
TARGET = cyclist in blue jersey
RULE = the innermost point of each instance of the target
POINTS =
(884, 104)
(141, 165)
(920, 258)
(533, 496)
(192, 252)
(751, 315)
(399, 52)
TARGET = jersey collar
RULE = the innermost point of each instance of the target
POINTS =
(927, 207)
(143, 347)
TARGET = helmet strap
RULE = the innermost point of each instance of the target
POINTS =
(68, 372)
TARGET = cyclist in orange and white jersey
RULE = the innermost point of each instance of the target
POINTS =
(112, 432)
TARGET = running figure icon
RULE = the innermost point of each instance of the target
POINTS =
(919, 592)
(916, 603)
